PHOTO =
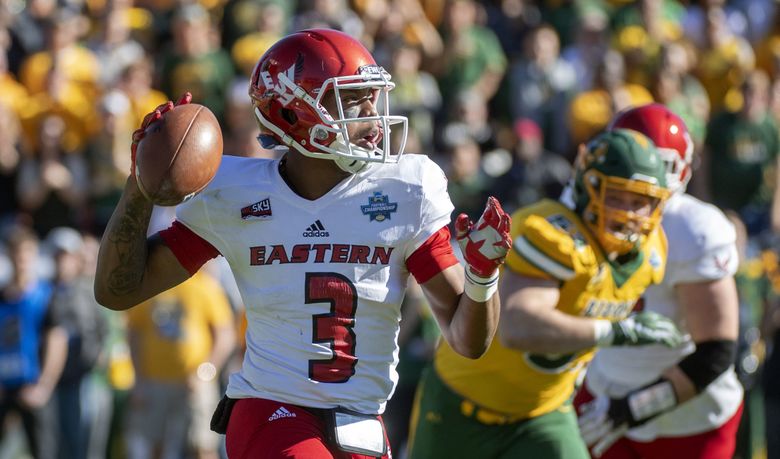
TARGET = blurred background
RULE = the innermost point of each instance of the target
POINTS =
(499, 92)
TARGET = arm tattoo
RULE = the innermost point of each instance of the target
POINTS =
(129, 240)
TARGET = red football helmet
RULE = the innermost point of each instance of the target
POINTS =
(670, 135)
(289, 82)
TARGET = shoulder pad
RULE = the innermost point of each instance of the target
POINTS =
(547, 243)
(234, 170)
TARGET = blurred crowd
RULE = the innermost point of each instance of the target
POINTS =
(500, 92)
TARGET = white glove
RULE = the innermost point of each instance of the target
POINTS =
(597, 429)
(605, 420)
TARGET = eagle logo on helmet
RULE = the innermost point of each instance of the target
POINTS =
(284, 91)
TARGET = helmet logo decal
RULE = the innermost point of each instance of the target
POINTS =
(284, 91)
(371, 72)
(640, 139)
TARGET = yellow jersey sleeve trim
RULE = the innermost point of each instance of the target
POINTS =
(541, 261)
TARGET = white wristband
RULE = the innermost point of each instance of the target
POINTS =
(479, 288)
(602, 332)
(653, 400)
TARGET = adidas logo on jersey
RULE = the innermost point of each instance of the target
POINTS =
(282, 412)
(316, 230)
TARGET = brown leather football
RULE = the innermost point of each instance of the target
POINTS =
(178, 155)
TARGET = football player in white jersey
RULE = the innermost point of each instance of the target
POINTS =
(686, 401)
(321, 243)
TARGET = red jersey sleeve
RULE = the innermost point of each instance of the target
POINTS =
(191, 250)
(433, 257)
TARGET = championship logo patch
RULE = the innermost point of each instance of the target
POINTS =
(260, 209)
(379, 207)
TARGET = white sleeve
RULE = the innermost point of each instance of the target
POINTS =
(702, 243)
(196, 215)
(436, 206)
(716, 263)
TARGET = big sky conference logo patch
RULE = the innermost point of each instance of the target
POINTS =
(260, 209)
(379, 207)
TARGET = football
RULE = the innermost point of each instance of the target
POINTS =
(178, 155)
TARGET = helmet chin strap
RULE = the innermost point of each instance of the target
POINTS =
(350, 165)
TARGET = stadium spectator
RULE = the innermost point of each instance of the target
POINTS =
(74, 305)
(416, 94)
(591, 110)
(473, 59)
(469, 115)
(640, 29)
(10, 158)
(468, 185)
(195, 62)
(136, 83)
(179, 341)
(535, 173)
(588, 46)
(330, 14)
(28, 30)
(114, 46)
(242, 18)
(12, 93)
(741, 157)
(757, 286)
(65, 29)
(723, 62)
(675, 87)
(33, 349)
(52, 184)
(541, 84)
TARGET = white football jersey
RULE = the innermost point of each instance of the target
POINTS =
(322, 280)
(701, 248)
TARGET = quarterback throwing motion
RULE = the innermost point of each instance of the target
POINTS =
(321, 244)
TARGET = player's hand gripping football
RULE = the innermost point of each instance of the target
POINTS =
(484, 246)
(150, 118)
(643, 328)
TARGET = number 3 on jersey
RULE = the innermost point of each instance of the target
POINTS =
(334, 327)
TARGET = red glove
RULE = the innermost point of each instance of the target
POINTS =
(150, 118)
(484, 245)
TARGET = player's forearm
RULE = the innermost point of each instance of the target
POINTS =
(546, 331)
(123, 251)
(683, 386)
(224, 344)
(473, 326)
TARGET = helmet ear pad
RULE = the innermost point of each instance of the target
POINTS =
(289, 116)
